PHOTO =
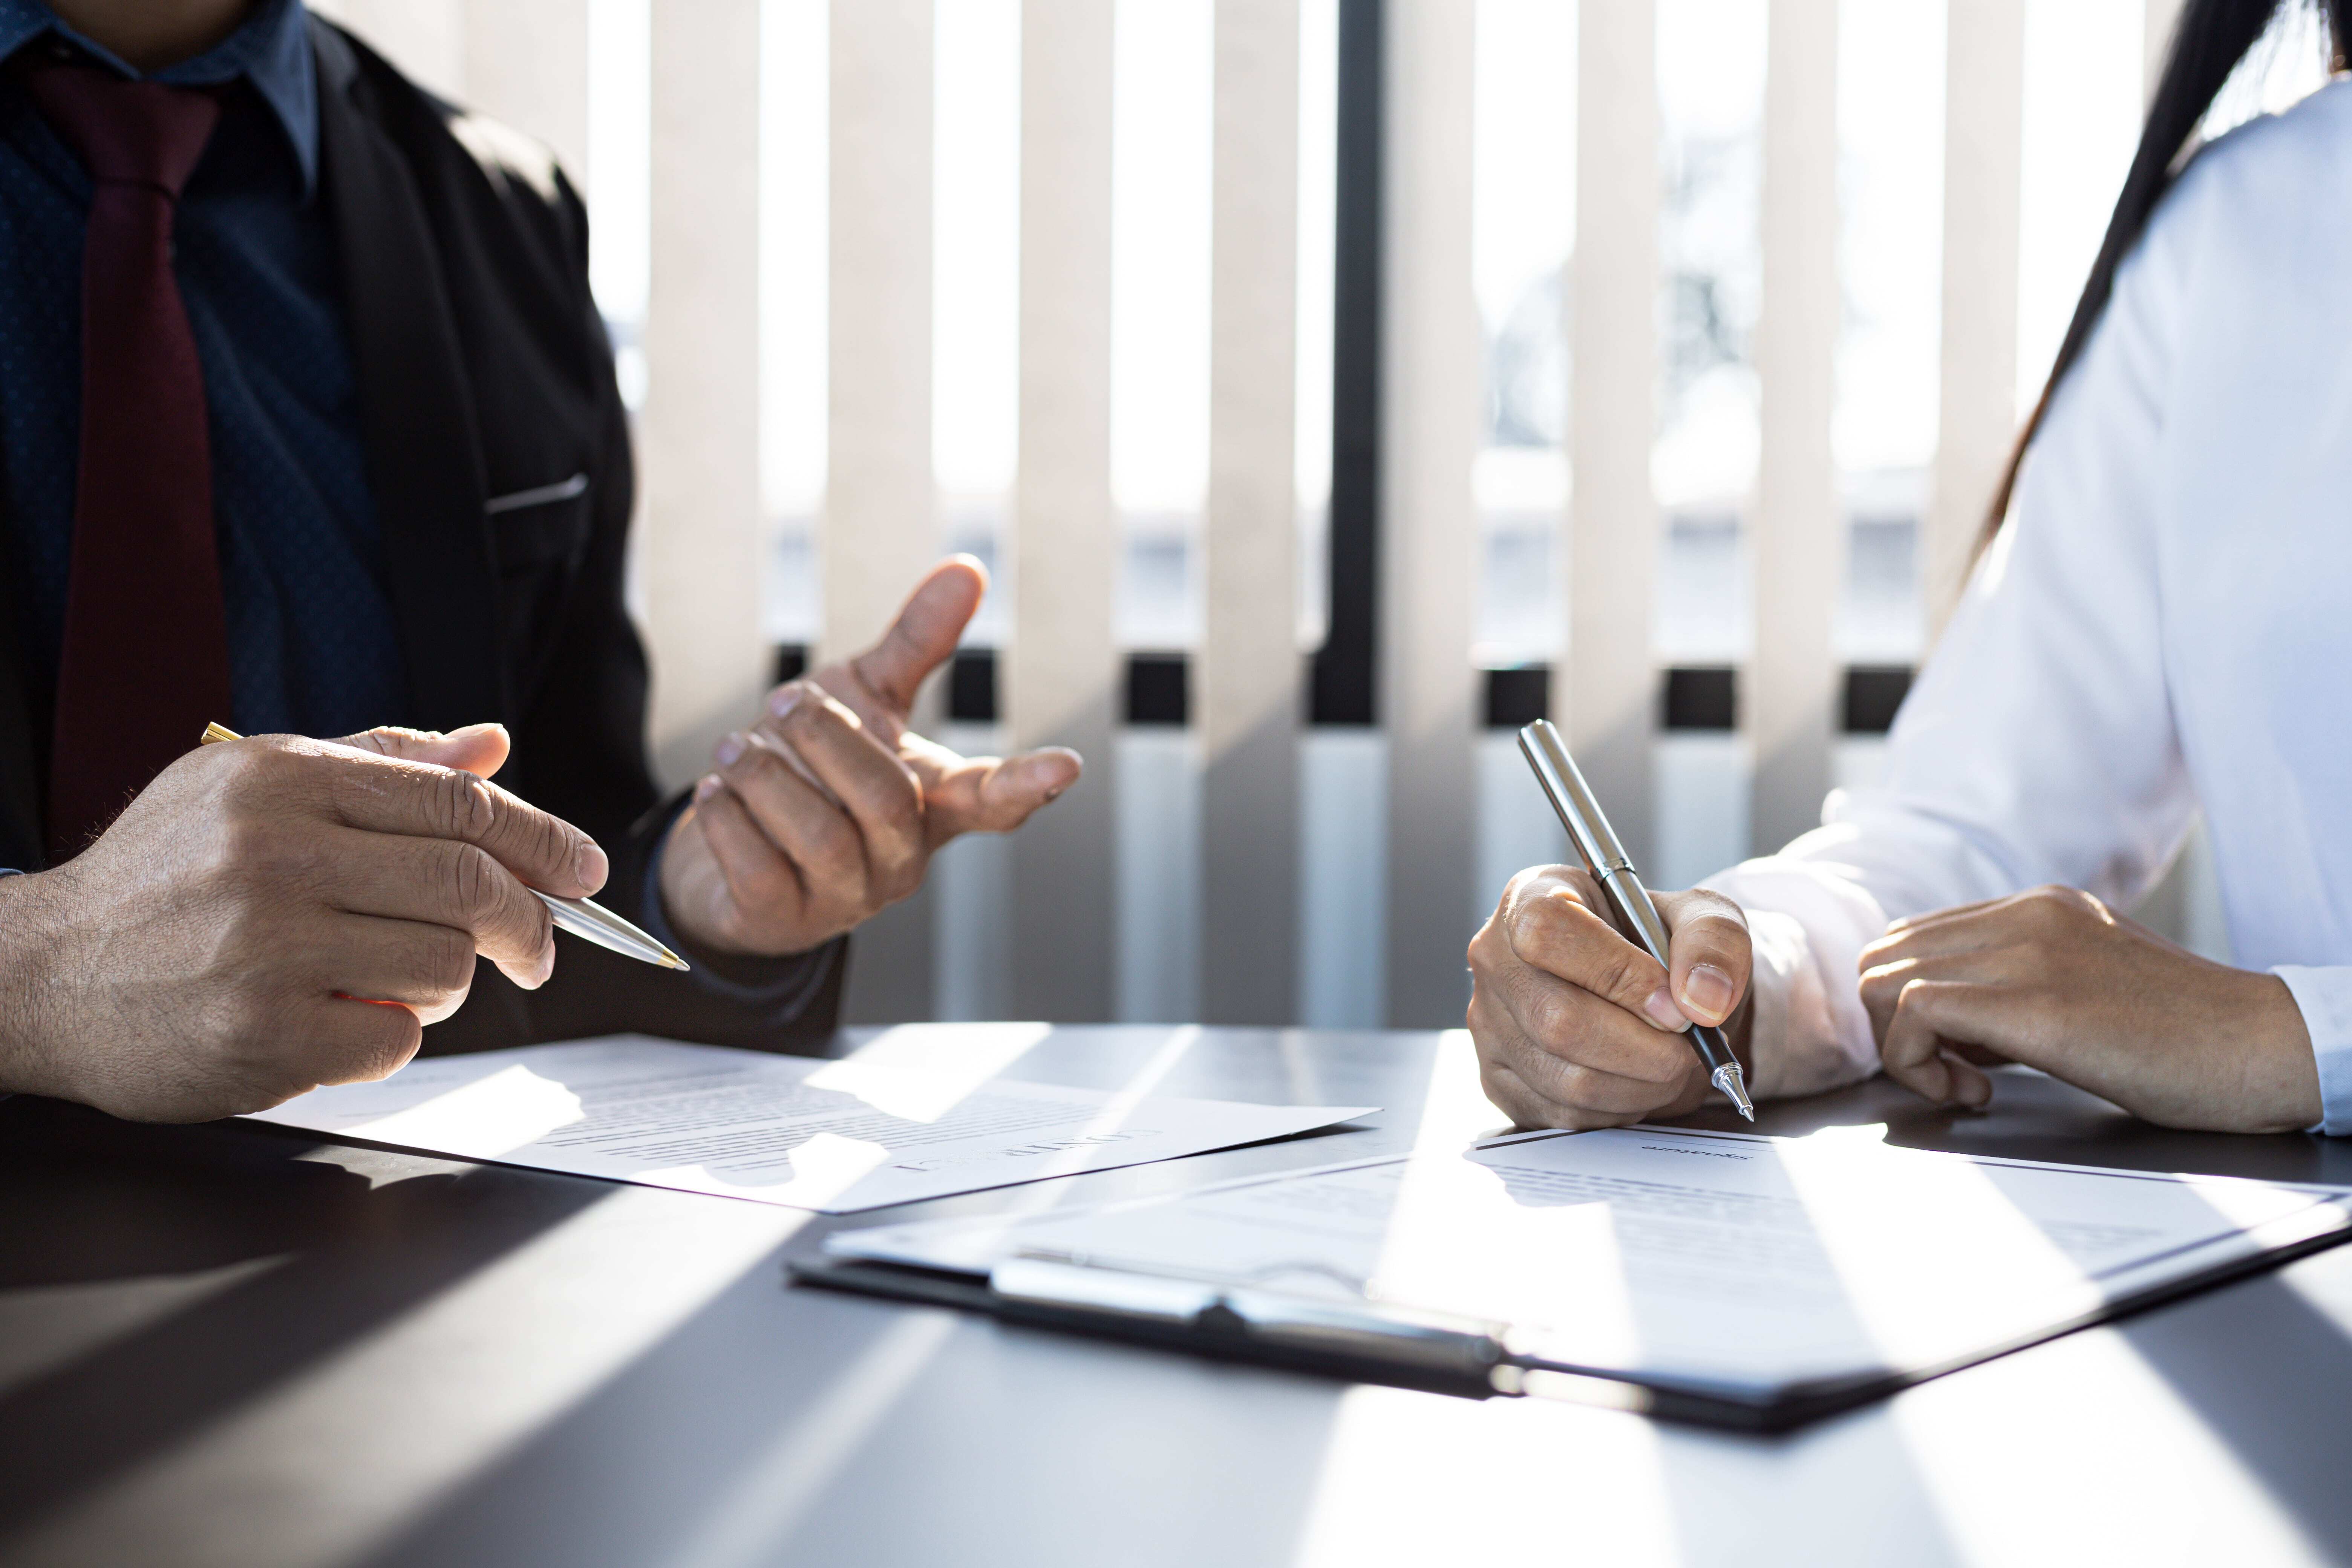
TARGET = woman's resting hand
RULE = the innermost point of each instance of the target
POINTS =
(2055, 979)
(1577, 1027)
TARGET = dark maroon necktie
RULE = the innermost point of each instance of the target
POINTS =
(145, 661)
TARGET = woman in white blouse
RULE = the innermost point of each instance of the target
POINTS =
(2164, 624)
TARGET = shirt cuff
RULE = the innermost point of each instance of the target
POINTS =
(9, 871)
(787, 983)
(2325, 995)
(1805, 926)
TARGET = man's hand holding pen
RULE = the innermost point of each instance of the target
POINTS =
(274, 914)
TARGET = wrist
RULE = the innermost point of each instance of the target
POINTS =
(670, 894)
(27, 940)
(2282, 1091)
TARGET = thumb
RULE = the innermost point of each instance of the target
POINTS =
(924, 633)
(1708, 941)
(477, 749)
(993, 795)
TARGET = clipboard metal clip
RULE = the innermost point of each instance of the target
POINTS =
(1425, 1343)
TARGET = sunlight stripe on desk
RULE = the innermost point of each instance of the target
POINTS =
(450, 1389)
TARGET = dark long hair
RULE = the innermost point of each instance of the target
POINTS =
(2207, 42)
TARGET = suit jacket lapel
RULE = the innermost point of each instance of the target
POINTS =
(424, 459)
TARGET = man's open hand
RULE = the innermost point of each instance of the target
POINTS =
(829, 807)
(277, 913)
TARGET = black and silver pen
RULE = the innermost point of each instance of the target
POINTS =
(1637, 917)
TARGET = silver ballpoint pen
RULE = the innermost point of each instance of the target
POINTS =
(583, 918)
(1637, 916)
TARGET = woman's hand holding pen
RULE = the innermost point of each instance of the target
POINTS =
(277, 913)
(1576, 1027)
(2054, 979)
(830, 808)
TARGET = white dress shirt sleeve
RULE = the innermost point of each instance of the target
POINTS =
(2325, 995)
(2038, 744)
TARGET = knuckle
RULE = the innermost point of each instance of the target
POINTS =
(761, 760)
(835, 842)
(2054, 905)
(460, 803)
(1550, 1018)
(1714, 930)
(1525, 884)
(448, 961)
(1542, 917)
(900, 811)
(822, 712)
(1570, 1083)
(1913, 997)
(252, 846)
(473, 880)
(768, 885)
(1622, 974)
(804, 721)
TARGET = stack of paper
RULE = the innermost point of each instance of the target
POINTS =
(889, 1127)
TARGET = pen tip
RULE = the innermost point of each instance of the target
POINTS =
(1727, 1079)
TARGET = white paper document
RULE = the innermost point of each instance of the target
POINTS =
(833, 1136)
(1718, 1263)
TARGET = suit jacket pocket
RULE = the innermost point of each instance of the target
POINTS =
(541, 538)
(546, 526)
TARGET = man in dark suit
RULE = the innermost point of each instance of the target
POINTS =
(308, 422)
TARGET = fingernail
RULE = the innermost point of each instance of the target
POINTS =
(730, 748)
(707, 787)
(1662, 1011)
(1706, 992)
(590, 864)
(471, 731)
(784, 698)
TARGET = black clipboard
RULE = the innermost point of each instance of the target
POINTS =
(1401, 1347)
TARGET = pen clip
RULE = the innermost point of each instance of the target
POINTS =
(1429, 1342)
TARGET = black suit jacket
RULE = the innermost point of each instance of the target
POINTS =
(486, 378)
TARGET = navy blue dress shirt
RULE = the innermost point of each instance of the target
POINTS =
(313, 647)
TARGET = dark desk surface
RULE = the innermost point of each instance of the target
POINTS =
(233, 1345)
